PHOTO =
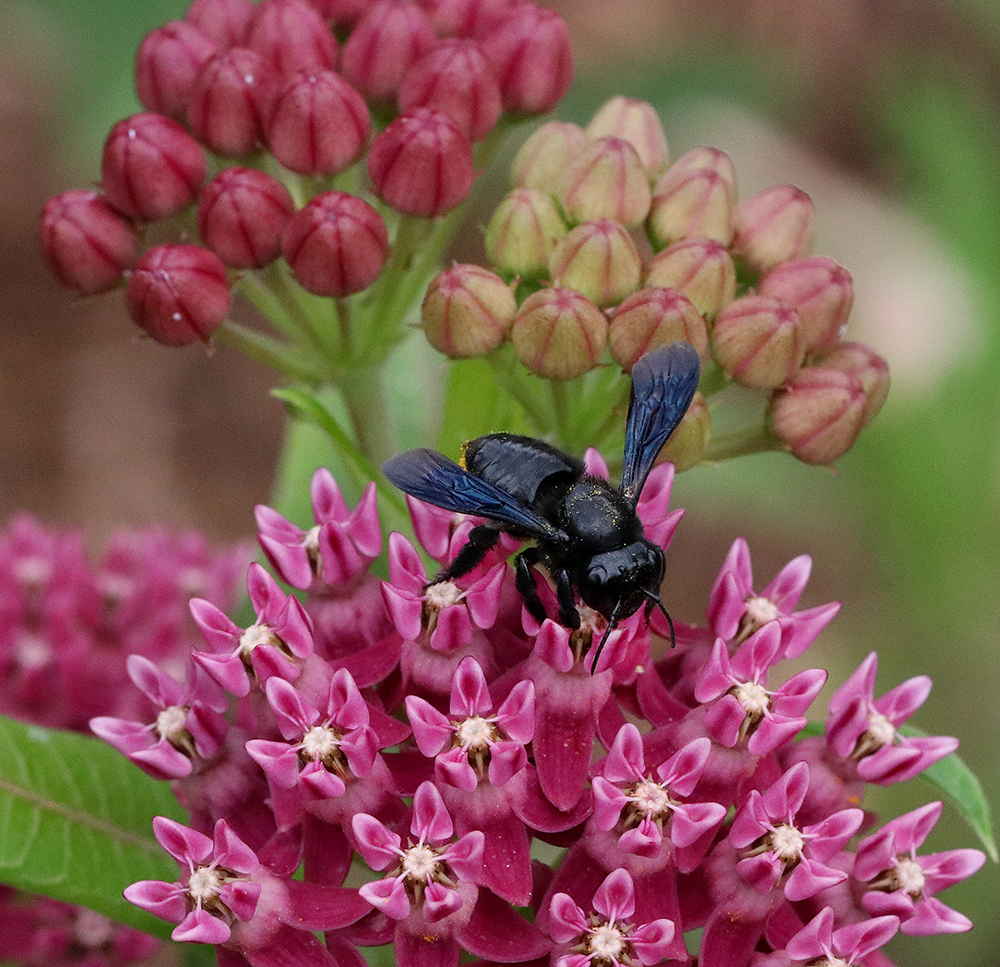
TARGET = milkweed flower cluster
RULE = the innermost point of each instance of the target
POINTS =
(379, 762)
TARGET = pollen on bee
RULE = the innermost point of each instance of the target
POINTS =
(461, 459)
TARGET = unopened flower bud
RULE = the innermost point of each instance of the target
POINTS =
(225, 21)
(559, 333)
(318, 124)
(638, 123)
(242, 214)
(292, 36)
(341, 13)
(466, 18)
(598, 259)
(336, 244)
(774, 226)
(467, 311)
(701, 158)
(543, 159)
(820, 291)
(455, 77)
(819, 414)
(532, 58)
(694, 199)
(388, 39)
(421, 164)
(698, 268)
(687, 444)
(606, 180)
(757, 341)
(166, 65)
(863, 362)
(522, 232)
(654, 317)
(151, 168)
(230, 101)
(178, 294)
(86, 243)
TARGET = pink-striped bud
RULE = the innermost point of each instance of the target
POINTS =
(694, 199)
(654, 317)
(598, 259)
(698, 268)
(166, 65)
(421, 164)
(559, 333)
(774, 226)
(178, 294)
(466, 18)
(151, 168)
(385, 43)
(542, 160)
(820, 291)
(455, 77)
(819, 414)
(318, 125)
(532, 58)
(336, 244)
(225, 21)
(638, 123)
(873, 371)
(757, 341)
(606, 180)
(230, 101)
(522, 232)
(467, 311)
(687, 444)
(86, 243)
(242, 214)
(292, 36)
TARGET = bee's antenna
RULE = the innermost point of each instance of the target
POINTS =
(612, 621)
(653, 599)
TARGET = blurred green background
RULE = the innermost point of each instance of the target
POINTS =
(887, 113)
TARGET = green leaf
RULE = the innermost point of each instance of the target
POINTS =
(75, 817)
(953, 776)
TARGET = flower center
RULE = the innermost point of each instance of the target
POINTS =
(204, 885)
(420, 863)
(607, 943)
(787, 843)
(757, 612)
(880, 732)
(440, 595)
(651, 799)
(320, 742)
(475, 734)
(171, 726)
(753, 696)
(255, 636)
(310, 543)
(910, 876)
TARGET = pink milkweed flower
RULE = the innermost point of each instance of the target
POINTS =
(735, 610)
(605, 936)
(189, 725)
(336, 550)
(817, 942)
(747, 710)
(899, 882)
(864, 729)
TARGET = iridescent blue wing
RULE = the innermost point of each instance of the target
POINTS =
(663, 383)
(432, 477)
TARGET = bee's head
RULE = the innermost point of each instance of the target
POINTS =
(616, 582)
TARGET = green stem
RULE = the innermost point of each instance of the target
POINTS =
(511, 376)
(741, 443)
(276, 355)
(364, 392)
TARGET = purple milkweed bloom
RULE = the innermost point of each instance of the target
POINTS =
(817, 942)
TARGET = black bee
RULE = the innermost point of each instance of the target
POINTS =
(587, 533)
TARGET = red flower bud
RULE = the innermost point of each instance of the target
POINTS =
(819, 414)
(340, 13)
(598, 259)
(166, 65)
(86, 243)
(694, 199)
(336, 244)
(388, 39)
(231, 99)
(687, 444)
(319, 124)
(820, 291)
(654, 317)
(225, 21)
(292, 36)
(242, 213)
(532, 58)
(152, 167)
(774, 226)
(758, 341)
(559, 333)
(421, 164)
(606, 180)
(873, 371)
(522, 232)
(178, 294)
(467, 311)
(466, 18)
(636, 122)
(698, 268)
(455, 77)
(543, 159)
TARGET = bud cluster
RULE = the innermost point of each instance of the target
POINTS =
(612, 251)
(252, 109)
